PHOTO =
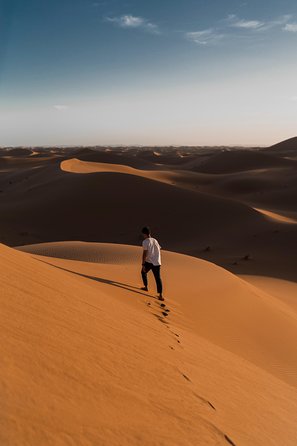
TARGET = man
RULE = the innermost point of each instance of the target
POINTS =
(151, 260)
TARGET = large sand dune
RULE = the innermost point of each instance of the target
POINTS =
(58, 197)
(70, 205)
(88, 359)
(285, 148)
(219, 306)
(241, 160)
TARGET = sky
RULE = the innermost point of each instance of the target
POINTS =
(140, 72)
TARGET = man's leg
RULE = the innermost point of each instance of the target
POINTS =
(144, 271)
(157, 275)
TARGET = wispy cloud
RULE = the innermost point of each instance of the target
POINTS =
(205, 37)
(235, 22)
(61, 107)
(226, 28)
(130, 21)
(247, 24)
(278, 22)
(257, 25)
(290, 27)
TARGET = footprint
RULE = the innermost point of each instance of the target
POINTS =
(211, 405)
(204, 400)
(229, 440)
(164, 313)
(161, 319)
(186, 377)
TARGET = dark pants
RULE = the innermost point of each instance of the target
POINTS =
(156, 271)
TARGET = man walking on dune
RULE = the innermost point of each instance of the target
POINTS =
(151, 260)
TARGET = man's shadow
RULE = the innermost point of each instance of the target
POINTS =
(124, 286)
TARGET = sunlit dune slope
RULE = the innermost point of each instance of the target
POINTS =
(216, 304)
(75, 165)
(87, 361)
(80, 367)
(277, 217)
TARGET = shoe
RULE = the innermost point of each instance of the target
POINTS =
(145, 288)
(160, 297)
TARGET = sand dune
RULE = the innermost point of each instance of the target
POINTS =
(90, 359)
(281, 289)
(284, 148)
(19, 152)
(71, 206)
(220, 307)
(241, 160)
(74, 165)
(205, 215)
(105, 367)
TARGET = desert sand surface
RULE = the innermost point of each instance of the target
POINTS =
(90, 359)
(282, 289)
(105, 366)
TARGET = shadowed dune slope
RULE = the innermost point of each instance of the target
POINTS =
(276, 184)
(88, 361)
(115, 156)
(201, 214)
(19, 152)
(275, 187)
(56, 205)
(287, 147)
(241, 160)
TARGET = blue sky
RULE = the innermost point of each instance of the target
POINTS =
(197, 72)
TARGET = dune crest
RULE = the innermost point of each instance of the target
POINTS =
(277, 217)
(75, 165)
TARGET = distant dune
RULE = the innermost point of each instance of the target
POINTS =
(241, 160)
(19, 152)
(285, 148)
(288, 144)
(210, 215)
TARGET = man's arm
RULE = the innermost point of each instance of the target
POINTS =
(144, 254)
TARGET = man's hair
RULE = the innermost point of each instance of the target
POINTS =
(146, 230)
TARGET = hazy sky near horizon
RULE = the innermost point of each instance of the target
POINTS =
(193, 72)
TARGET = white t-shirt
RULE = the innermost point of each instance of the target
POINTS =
(152, 247)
